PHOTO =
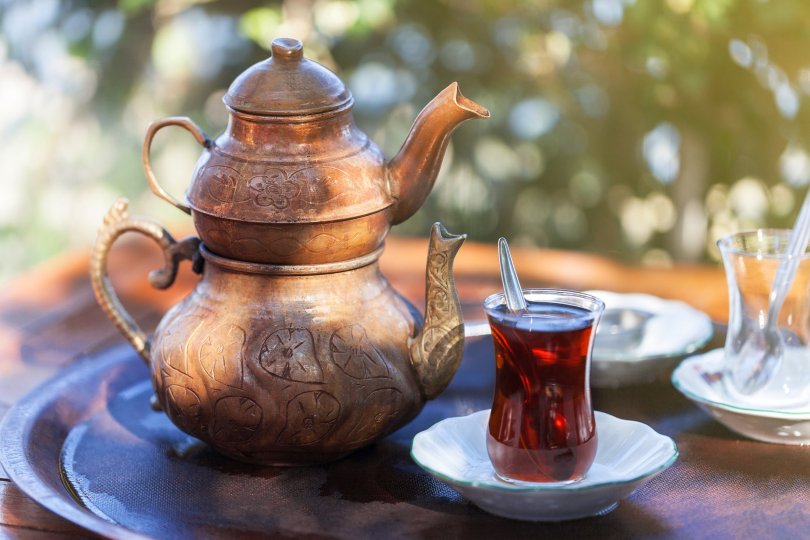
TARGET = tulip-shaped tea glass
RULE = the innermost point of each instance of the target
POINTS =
(541, 428)
(751, 260)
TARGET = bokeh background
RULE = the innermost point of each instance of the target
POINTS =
(642, 130)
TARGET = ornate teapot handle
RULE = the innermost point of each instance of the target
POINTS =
(185, 123)
(116, 223)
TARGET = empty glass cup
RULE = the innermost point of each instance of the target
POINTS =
(751, 260)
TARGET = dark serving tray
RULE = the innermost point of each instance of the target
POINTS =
(87, 446)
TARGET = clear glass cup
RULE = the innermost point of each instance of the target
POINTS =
(751, 260)
(542, 428)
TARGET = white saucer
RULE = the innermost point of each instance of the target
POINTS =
(699, 378)
(674, 330)
(628, 455)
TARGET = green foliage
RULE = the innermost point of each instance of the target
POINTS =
(632, 128)
(260, 23)
(131, 6)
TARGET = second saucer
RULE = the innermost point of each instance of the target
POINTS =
(700, 378)
(668, 331)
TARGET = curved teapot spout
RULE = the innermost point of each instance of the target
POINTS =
(412, 172)
(436, 351)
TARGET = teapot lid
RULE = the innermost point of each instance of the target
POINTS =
(287, 84)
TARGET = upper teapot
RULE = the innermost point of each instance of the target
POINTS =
(292, 180)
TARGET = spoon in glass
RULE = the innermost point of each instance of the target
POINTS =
(515, 302)
(762, 352)
(511, 285)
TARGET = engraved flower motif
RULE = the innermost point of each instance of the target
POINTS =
(381, 410)
(355, 355)
(274, 189)
(184, 407)
(290, 354)
(220, 354)
(223, 184)
(311, 416)
(236, 419)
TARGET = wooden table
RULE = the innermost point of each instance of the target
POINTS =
(49, 318)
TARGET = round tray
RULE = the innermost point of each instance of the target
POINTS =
(87, 446)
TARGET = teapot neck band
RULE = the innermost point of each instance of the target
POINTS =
(292, 117)
(289, 269)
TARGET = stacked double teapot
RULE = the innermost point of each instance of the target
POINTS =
(293, 348)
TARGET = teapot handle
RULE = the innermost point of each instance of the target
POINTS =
(116, 223)
(185, 123)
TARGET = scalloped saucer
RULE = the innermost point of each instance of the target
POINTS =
(629, 454)
(700, 378)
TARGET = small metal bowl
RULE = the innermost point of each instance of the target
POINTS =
(621, 329)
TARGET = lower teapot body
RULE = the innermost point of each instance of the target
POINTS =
(289, 364)
(287, 369)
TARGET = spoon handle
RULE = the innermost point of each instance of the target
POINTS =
(786, 271)
(511, 285)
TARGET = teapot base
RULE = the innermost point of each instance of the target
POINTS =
(284, 459)
(293, 243)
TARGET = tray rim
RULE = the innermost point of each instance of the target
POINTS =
(15, 439)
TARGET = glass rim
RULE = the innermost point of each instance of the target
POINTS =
(567, 297)
(724, 244)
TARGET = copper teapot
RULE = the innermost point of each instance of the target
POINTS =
(293, 348)
(292, 180)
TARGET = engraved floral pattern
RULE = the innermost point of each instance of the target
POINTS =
(382, 408)
(236, 419)
(311, 416)
(221, 354)
(355, 355)
(173, 350)
(290, 354)
(174, 342)
(224, 183)
(184, 407)
(274, 189)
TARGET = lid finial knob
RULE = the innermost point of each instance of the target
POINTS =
(287, 49)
